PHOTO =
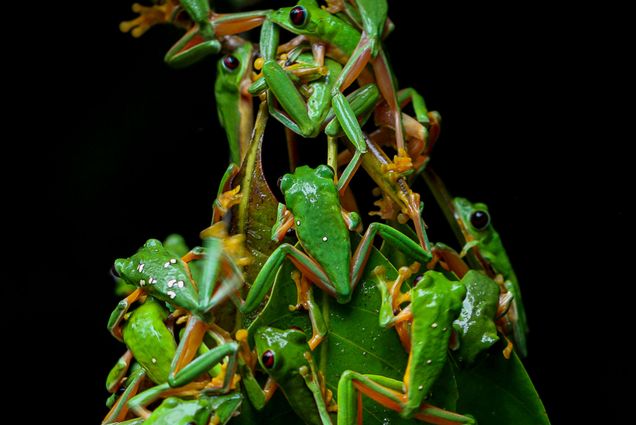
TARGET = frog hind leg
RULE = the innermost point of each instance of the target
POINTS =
(388, 393)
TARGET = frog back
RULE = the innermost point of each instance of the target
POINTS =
(150, 341)
(319, 225)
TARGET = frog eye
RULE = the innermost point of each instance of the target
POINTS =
(480, 219)
(230, 62)
(268, 359)
(298, 16)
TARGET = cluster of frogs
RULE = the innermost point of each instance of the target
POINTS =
(207, 341)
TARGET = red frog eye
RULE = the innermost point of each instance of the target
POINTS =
(230, 62)
(268, 359)
(298, 16)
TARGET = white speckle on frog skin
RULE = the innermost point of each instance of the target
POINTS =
(171, 294)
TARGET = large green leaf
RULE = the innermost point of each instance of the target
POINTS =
(499, 392)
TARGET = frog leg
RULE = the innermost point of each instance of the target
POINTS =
(449, 259)
(306, 300)
(188, 346)
(265, 278)
(384, 79)
(148, 17)
(313, 383)
(388, 393)
(204, 363)
(258, 396)
(292, 44)
(226, 197)
(114, 322)
(392, 297)
(202, 39)
(298, 119)
(118, 372)
(517, 316)
(284, 222)
(362, 102)
(390, 235)
(138, 403)
(120, 408)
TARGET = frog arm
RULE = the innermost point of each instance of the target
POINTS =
(312, 381)
(306, 301)
(388, 393)
(120, 408)
(118, 372)
(258, 396)
(225, 198)
(284, 222)
(114, 322)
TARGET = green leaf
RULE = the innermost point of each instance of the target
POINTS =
(497, 391)
(257, 211)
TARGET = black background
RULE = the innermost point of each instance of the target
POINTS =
(132, 149)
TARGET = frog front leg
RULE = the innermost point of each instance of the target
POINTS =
(306, 301)
(120, 408)
(390, 393)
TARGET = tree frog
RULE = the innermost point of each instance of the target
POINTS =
(475, 325)
(434, 303)
(322, 227)
(158, 273)
(233, 102)
(478, 231)
(285, 356)
(346, 44)
(308, 118)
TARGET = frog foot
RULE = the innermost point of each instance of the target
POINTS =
(244, 349)
(235, 246)
(148, 17)
(334, 6)
(228, 199)
(387, 208)
(402, 164)
(218, 380)
(302, 292)
(404, 273)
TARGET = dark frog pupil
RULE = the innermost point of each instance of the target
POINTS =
(268, 359)
(230, 62)
(298, 16)
(480, 219)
